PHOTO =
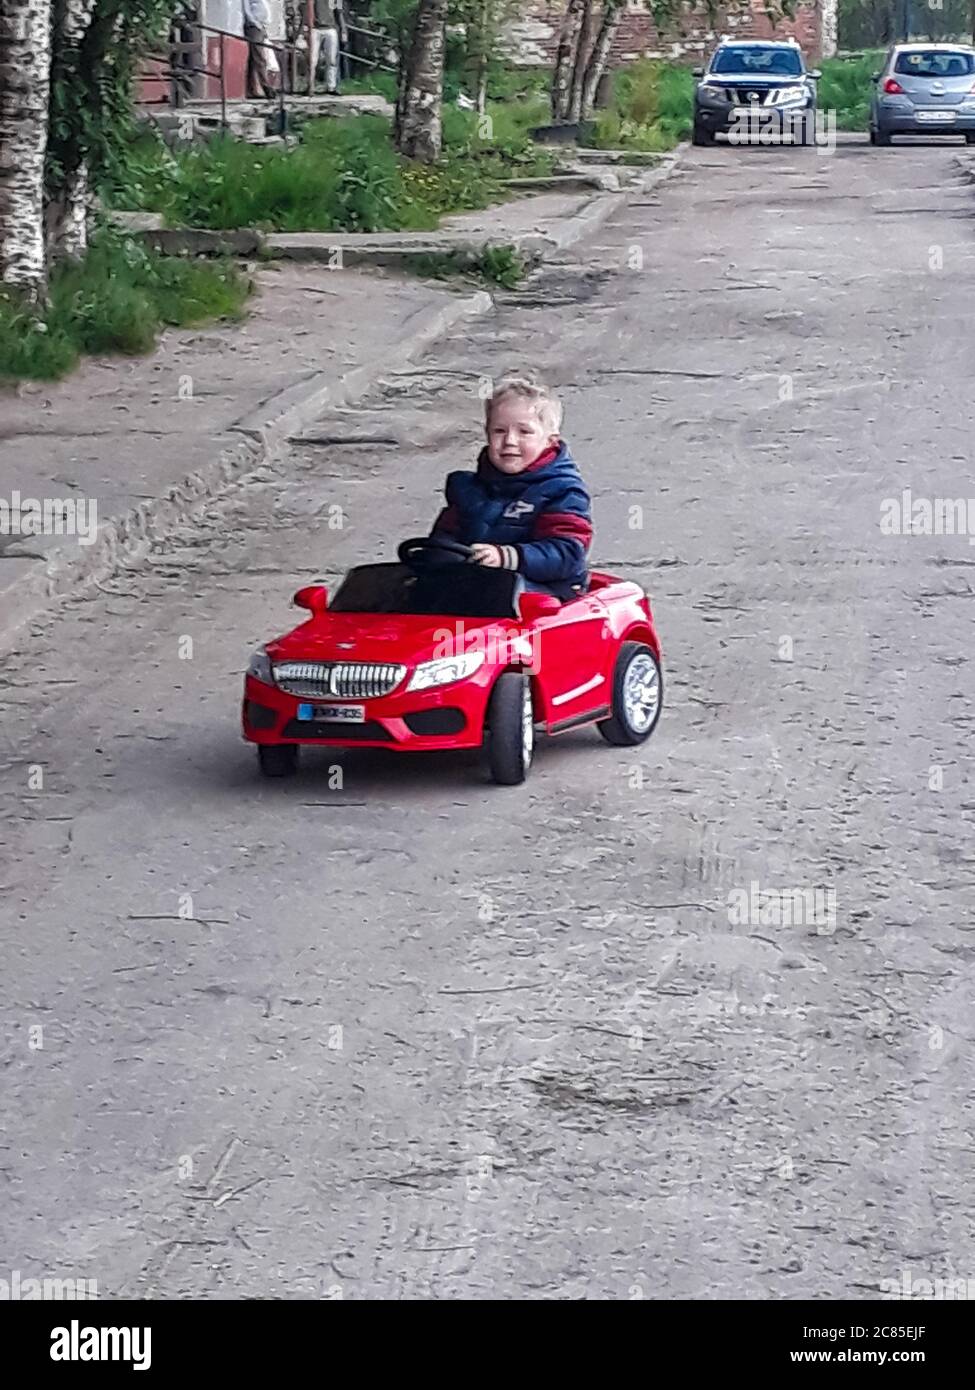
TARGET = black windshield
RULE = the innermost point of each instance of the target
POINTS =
(759, 61)
(457, 591)
(936, 63)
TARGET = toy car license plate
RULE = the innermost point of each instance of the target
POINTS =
(936, 116)
(332, 714)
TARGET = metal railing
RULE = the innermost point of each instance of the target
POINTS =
(174, 73)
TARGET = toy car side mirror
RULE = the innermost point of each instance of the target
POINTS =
(314, 597)
(815, 74)
(535, 606)
(875, 77)
(697, 72)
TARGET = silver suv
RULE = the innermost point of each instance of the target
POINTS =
(924, 89)
(755, 84)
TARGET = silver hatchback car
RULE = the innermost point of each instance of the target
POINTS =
(924, 89)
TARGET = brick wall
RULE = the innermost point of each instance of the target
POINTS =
(533, 37)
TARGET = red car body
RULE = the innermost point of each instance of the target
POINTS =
(568, 649)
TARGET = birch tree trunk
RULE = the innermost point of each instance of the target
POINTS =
(419, 132)
(481, 32)
(581, 61)
(25, 56)
(612, 15)
(66, 217)
(562, 77)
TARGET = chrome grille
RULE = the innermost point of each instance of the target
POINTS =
(338, 680)
(743, 96)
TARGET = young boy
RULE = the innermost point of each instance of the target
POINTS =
(526, 507)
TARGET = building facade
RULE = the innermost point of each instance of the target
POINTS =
(218, 43)
(533, 37)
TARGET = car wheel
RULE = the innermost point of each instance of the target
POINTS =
(807, 133)
(883, 137)
(701, 135)
(873, 136)
(278, 759)
(511, 729)
(637, 696)
(970, 137)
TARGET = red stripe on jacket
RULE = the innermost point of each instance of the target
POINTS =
(565, 526)
(448, 521)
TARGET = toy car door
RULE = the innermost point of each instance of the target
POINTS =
(571, 660)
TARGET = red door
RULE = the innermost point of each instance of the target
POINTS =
(571, 662)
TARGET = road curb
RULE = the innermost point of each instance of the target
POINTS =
(590, 218)
(266, 432)
(127, 539)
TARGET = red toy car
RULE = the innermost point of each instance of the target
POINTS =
(433, 653)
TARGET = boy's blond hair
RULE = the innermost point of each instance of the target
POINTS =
(547, 406)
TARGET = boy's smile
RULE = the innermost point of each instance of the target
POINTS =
(516, 436)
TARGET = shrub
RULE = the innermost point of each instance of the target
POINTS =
(845, 88)
(498, 265)
(28, 349)
(376, 83)
(344, 176)
(115, 300)
(652, 108)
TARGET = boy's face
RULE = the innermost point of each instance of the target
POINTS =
(515, 435)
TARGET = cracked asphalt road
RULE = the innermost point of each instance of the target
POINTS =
(415, 1036)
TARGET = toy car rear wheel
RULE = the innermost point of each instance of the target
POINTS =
(278, 759)
(637, 697)
(511, 729)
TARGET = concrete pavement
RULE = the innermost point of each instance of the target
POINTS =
(388, 1031)
(140, 444)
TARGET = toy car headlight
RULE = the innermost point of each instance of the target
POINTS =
(259, 667)
(707, 90)
(445, 670)
(793, 94)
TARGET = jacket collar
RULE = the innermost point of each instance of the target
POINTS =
(506, 482)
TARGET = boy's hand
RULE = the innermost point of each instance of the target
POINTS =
(488, 555)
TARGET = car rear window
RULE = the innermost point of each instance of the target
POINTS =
(936, 63)
(759, 61)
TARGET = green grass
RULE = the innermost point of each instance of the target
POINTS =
(116, 301)
(495, 265)
(375, 83)
(344, 176)
(845, 88)
(652, 108)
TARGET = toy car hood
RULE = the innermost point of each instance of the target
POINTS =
(402, 638)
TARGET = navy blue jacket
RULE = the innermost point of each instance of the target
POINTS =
(541, 518)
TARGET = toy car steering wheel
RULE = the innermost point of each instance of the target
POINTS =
(424, 550)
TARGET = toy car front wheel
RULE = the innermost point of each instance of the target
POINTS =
(278, 759)
(637, 696)
(511, 729)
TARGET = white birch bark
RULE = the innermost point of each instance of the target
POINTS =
(68, 216)
(562, 76)
(419, 131)
(25, 56)
(612, 15)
